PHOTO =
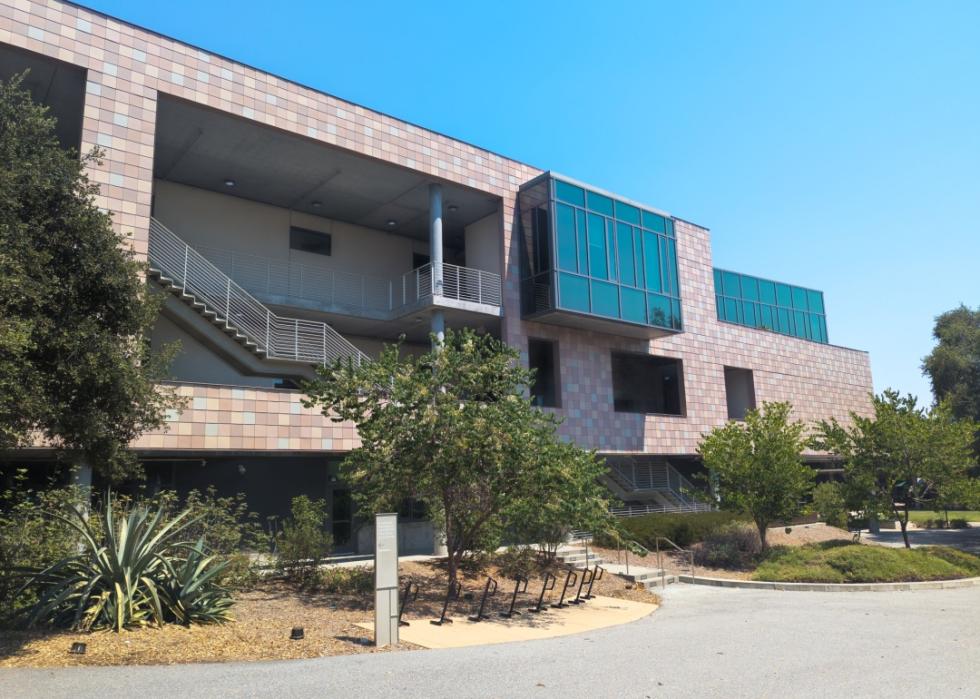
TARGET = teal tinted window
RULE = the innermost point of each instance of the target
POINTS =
(767, 291)
(782, 321)
(750, 288)
(583, 241)
(651, 261)
(611, 247)
(717, 281)
(600, 203)
(670, 267)
(731, 311)
(799, 324)
(766, 319)
(628, 213)
(784, 297)
(627, 270)
(569, 193)
(730, 285)
(609, 255)
(799, 298)
(605, 299)
(749, 315)
(661, 311)
(654, 222)
(574, 292)
(597, 246)
(814, 301)
(634, 305)
(565, 223)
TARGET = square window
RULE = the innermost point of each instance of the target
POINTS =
(739, 391)
(647, 384)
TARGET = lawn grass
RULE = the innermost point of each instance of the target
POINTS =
(846, 562)
(918, 516)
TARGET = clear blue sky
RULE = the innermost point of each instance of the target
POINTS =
(834, 145)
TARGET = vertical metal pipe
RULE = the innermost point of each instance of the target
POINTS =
(435, 236)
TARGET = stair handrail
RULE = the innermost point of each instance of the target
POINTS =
(663, 575)
(256, 322)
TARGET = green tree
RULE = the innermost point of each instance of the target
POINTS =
(756, 467)
(903, 456)
(74, 307)
(455, 429)
(953, 366)
(829, 503)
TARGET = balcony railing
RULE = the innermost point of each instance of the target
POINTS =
(355, 293)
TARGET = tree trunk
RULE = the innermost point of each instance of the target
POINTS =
(763, 528)
(904, 524)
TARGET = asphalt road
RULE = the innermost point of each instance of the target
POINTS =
(704, 642)
(964, 539)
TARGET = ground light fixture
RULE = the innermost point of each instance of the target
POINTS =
(297, 633)
(77, 648)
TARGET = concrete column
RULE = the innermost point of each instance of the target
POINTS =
(438, 327)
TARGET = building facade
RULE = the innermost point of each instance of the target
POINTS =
(287, 227)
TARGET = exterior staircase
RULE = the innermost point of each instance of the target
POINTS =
(651, 485)
(195, 281)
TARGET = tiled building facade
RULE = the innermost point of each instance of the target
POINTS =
(129, 70)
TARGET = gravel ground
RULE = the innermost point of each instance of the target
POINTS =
(264, 618)
(703, 642)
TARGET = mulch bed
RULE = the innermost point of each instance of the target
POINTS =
(264, 618)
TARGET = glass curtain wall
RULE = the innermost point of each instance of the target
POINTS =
(768, 305)
(612, 259)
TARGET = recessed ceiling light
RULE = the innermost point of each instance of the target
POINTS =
(229, 182)
(391, 223)
(453, 208)
(316, 205)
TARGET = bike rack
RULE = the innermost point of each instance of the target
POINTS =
(587, 576)
(410, 594)
(570, 580)
(547, 585)
(488, 590)
(597, 574)
(519, 586)
(452, 593)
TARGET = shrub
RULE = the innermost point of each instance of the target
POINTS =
(842, 561)
(304, 542)
(30, 539)
(345, 581)
(828, 502)
(517, 561)
(683, 529)
(136, 573)
(734, 545)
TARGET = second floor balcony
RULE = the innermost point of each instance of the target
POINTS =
(317, 288)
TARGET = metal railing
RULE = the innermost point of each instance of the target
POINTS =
(357, 293)
(648, 508)
(281, 338)
(660, 478)
(663, 575)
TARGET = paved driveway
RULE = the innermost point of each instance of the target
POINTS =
(704, 642)
(965, 539)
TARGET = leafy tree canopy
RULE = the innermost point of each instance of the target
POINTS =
(756, 466)
(74, 307)
(903, 456)
(454, 429)
(953, 366)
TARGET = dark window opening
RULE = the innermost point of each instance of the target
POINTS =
(341, 516)
(740, 392)
(542, 357)
(309, 241)
(412, 510)
(647, 384)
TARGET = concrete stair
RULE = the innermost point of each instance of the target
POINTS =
(208, 314)
(640, 575)
(578, 557)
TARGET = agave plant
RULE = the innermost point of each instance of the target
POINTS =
(190, 593)
(126, 575)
